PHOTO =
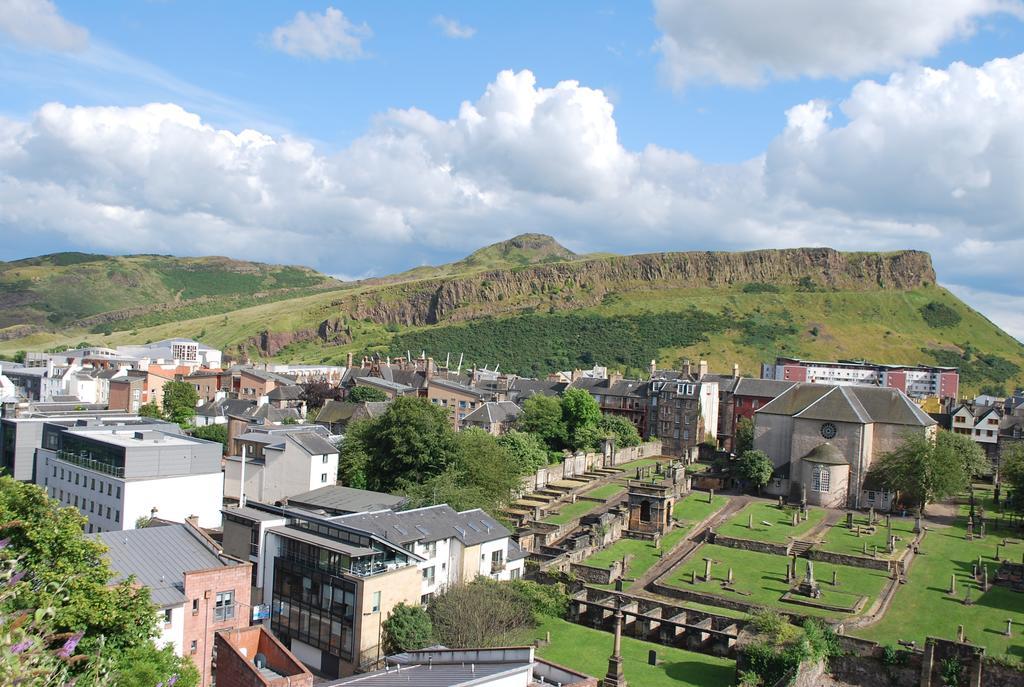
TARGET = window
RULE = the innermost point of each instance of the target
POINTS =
(167, 617)
(108, 512)
(375, 604)
(425, 599)
(325, 459)
(195, 608)
(76, 479)
(193, 647)
(61, 494)
(820, 480)
(109, 487)
(428, 575)
(62, 473)
(76, 500)
(224, 608)
(430, 549)
(871, 496)
(92, 485)
(119, 492)
(117, 515)
(516, 574)
(323, 477)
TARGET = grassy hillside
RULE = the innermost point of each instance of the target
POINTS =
(745, 323)
(99, 292)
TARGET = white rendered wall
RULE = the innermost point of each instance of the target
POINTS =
(175, 634)
(175, 498)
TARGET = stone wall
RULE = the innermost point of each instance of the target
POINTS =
(749, 544)
(582, 463)
(844, 559)
(595, 575)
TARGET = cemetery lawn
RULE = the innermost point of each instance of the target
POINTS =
(606, 493)
(644, 554)
(695, 508)
(923, 607)
(762, 575)
(840, 539)
(587, 650)
(640, 463)
(781, 520)
(570, 511)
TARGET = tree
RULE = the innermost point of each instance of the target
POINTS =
(63, 574)
(1011, 472)
(925, 470)
(180, 399)
(755, 467)
(620, 429)
(526, 451)
(410, 442)
(318, 392)
(362, 394)
(482, 613)
(743, 439)
(353, 454)
(212, 433)
(151, 410)
(967, 451)
(542, 415)
(407, 628)
(582, 416)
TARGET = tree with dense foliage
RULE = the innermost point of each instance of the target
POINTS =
(180, 399)
(409, 443)
(582, 418)
(526, 451)
(353, 454)
(151, 410)
(620, 429)
(1011, 473)
(480, 614)
(755, 467)
(61, 574)
(363, 394)
(407, 628)
(743, 439)
(212, 433)
(925, 470)
(542, 415)
(318, 392)
(481, 475)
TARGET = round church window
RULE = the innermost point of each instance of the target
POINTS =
(828, 430)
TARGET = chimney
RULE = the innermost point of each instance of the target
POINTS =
(702, 368)
(654, 367)
(687, 368)
(736, 370)
(429, 368)
(614, 377)
(193, 520)
(349, 360)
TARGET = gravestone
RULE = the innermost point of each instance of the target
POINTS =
(997, 551)
(917, 524)
(750, 521)
(730, 576)
(835, 578)
(796, 518)
(711, 495)
(809, 587)
(864, 548)
(652, 657)
(871, 515)
(984, 579)
(952, 583)
(849, 520)
(782, 503)
(1009, 627)
(707, 569)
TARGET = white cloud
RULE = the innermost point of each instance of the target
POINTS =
(523, 157)
(38, 24)
(452, 28)
(747, 43)
(327, 36)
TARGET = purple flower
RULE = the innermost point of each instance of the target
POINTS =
(69, 646)
(4, 542)
(20, 646)
(170, 683)
(15, 579)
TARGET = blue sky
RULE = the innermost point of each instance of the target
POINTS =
(689, 126)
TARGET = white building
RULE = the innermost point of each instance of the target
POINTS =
(916, 381)
(174, 351)
(278, 462)
(116, 475)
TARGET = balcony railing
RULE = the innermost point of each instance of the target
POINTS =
(497, 566)
(90, 464)
(356, 569)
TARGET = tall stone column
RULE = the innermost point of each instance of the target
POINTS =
(615, 676)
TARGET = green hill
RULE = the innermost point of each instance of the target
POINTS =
(81, 290)
(532, 306)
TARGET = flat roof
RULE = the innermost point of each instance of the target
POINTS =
(127, 438)
(325, 542)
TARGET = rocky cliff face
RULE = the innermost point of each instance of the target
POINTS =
(585, 283)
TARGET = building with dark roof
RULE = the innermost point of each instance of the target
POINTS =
(197, 589)
(339, 500)
(494, 417)
(830, 436)
(274, 463)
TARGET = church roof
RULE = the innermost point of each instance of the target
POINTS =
(825, 454)
(853, 404)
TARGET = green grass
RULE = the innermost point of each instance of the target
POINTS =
(606, 493)
(781, 528)
(695, 508)
(571, 511)
(840, 539)
(763, 576)
(587, 650)
(923, 607)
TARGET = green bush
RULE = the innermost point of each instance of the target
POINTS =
(760, 287)
(939, 315)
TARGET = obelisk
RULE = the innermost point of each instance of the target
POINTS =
(615, 676)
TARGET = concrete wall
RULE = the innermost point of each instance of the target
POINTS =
(175, 498)
(586, 462)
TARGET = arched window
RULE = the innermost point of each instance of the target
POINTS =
(820, 479)
(645, 511)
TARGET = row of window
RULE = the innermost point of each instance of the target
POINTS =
(86, 481)
(93, 507)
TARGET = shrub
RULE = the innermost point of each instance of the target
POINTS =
(760, 287)
(939, 315)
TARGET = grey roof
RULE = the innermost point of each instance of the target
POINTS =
(855, 404)
(336, 411)
(521, 388)
(159, 557)
(251, 513)
(385, 384)
(825, 454)
(429, 524)
(726, 383)
(494, 412)
(423, 675)
(312, 443)
(267, 376)
(325, 542)
(309, 438)
(456, 386)
(761, 388)
(337, 499)
(227, 406)
(286, 392)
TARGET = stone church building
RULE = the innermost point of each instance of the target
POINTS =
(823, 439)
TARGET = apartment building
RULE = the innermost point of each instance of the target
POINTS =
(626, 398)
(916, 381)
(117, 474)
(458, 399)
(331, 581)
(981, 423)
(280, 462)
(197, 590)
(685, 408)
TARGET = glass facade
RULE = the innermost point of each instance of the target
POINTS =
(312, 605)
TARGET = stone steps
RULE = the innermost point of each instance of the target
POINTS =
(800, 547)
